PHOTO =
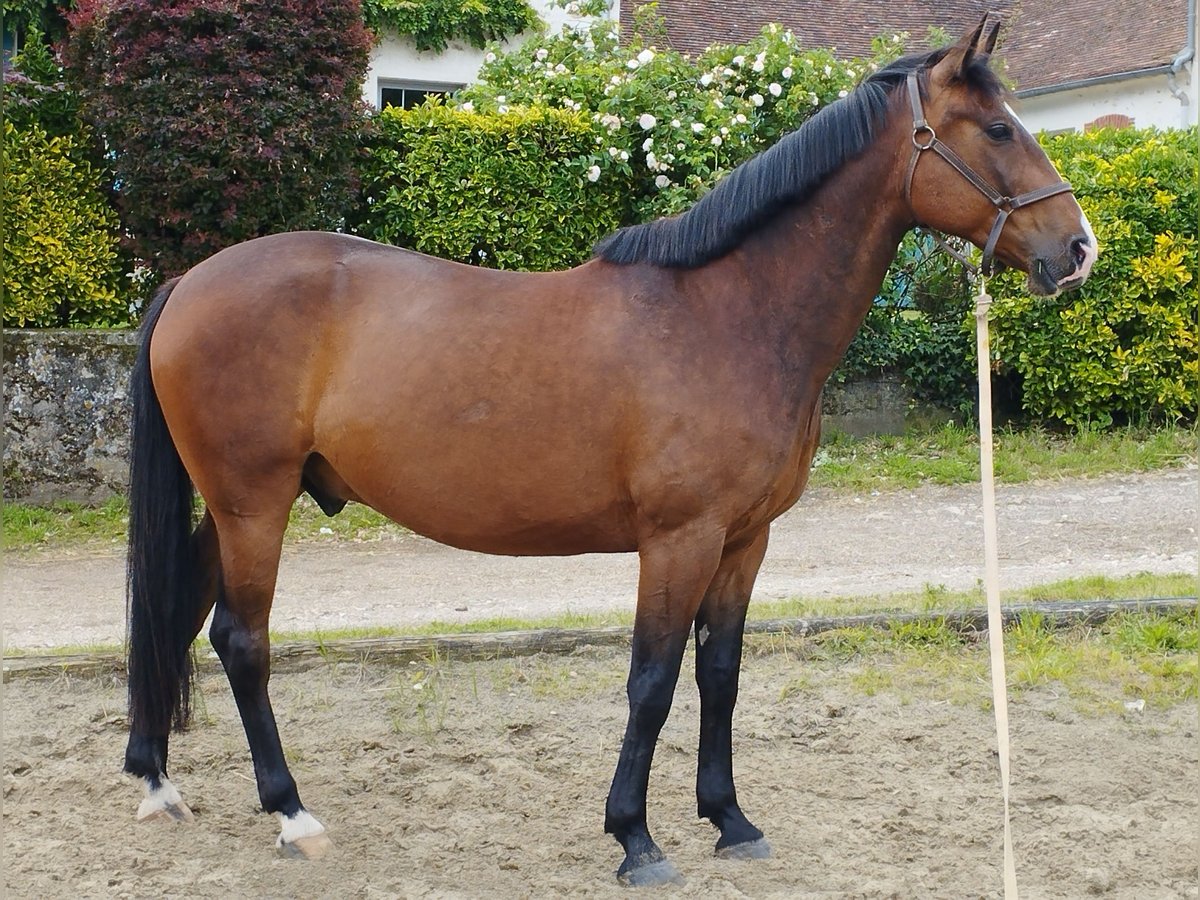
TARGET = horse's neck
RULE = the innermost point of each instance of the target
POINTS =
(816, 271)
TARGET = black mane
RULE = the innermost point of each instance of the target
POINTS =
(781, 176)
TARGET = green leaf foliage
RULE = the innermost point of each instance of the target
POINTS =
(35, 92)
(506, 190)
(670, 126)
(432, 24)
(61, 265)
(1124, 347)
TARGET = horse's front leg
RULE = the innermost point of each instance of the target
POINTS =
(250, 550)
(675, 570)
(719, 627)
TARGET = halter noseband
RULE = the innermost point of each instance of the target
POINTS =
(925, 138)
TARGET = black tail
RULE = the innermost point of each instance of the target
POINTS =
(161, 592)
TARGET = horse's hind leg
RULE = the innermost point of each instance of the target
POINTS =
(250, 549)
(719, 628)
(675, 570)
(146, 755)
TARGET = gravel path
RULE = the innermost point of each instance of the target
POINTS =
(828, 545)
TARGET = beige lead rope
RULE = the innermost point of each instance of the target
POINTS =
(992, 571)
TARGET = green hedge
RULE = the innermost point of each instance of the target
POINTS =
(60, 236)
(1123, 348)
(507, 191)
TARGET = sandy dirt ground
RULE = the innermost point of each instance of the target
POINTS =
(828, 545)
(488, 780)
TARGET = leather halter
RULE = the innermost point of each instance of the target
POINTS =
(925, 138)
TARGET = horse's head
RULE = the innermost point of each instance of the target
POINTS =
(976, 172)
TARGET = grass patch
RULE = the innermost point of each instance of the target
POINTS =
(945, 455)
(1131, 662)
(64, 524)
(934, 598)
(950, 455)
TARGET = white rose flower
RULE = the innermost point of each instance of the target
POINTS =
(842, 94)
(489, 57)
(593, 174)
(468, 107)
(662, 181)
(624, 157)
(651, 161)
(674, 123)
(738, 60)
(774, 89)
(739, 119)
(706, 79)
(787, 72)
(758, 65)
(697, 127)
(632, 64)
(647, 143)
(756, 99)
(645, 56)
(828, 71)
(542, 53)
(616, 79)
(647, 121)
(502, 99)
(716, 141)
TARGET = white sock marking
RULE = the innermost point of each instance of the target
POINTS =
(301, 825)
(157, 799)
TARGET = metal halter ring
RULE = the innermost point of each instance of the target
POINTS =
(932, 136)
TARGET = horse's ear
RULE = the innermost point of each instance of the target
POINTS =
(990, 44)
(959, 58)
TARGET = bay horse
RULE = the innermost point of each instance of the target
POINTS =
(662, 398)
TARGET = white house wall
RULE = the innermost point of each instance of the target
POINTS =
(396, 59)
(1146, 100)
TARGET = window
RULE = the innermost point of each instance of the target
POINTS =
(407, 94)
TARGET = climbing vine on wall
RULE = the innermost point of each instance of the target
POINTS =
(432, 24)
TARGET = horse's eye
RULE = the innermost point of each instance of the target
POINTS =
(1000, 132)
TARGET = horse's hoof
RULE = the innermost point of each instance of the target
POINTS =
(312, 847)
(652, 875)
(172, 812)
(758, 849)
(162, 803)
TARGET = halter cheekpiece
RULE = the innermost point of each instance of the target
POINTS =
(925, 138)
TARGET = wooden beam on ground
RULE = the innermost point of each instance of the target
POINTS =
(298, 656)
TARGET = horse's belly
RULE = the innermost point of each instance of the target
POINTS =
(482, 505)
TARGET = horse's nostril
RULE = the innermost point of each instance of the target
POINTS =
(1079, 250)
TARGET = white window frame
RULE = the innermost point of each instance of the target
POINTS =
(406, 84)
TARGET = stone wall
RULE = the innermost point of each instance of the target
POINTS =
(66, 416)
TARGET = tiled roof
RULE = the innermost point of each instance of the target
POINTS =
(1047, 42)
(1058, 42)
